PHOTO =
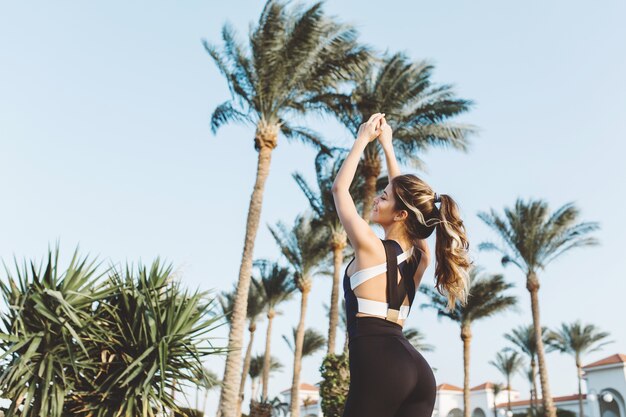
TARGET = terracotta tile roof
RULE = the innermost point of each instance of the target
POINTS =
(486, 385)
(304, 386)
(555, 399)
(617, 358)
(448, 387)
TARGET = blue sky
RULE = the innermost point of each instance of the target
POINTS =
(105, 144)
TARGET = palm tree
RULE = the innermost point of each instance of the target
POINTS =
(262, 407)
(486, 298)
(343, 323)
(323, 206)
(256, 370)
(210, 382)
(313, 341)
(279, 407)
(276, 287)
(508, 362)
(304, 247)
(532, 382)
(295, 57)
(254, 310)
(577, 339)
(497, 389)
(532, 239)
(419, 111)
(416, 338)
(523, 337)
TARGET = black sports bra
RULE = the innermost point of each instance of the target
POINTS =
(392, 310)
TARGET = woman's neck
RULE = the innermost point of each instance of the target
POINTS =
(398, 234)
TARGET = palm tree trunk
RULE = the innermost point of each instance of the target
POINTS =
(228, 395)
(466, 336)
(206, 401)
(254, 387)
(267, 357)
(371, 171)
(580, 390)
(533, 365)
(495, 410)
(294, 407)
(532, 284)
(334, 297)
(246, 367)
(508, 391)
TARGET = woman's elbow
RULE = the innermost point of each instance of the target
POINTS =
(338, 186)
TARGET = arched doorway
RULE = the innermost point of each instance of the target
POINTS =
(455, 412)
(478, 412)
(613, 408)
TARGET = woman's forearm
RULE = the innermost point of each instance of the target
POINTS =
(348, 168)
(393, 170)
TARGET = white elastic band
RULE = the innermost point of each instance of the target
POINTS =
(359, 277)
(379, 308)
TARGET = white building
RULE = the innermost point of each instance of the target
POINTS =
(606, 390)
(309, 400)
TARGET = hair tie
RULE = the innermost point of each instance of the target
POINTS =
(437, 198)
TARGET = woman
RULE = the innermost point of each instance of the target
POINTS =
(388, 376)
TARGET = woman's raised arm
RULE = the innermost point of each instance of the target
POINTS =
(393, 170)
(359, 232)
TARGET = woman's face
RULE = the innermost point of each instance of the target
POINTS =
(383, 211)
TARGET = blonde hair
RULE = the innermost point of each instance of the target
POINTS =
(451, 247)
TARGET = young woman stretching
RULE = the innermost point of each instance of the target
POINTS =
(388, 376)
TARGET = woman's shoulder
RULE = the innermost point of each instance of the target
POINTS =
(422, 255)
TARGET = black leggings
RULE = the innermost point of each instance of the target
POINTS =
(388, 376)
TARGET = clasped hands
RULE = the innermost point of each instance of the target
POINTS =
(376, 127)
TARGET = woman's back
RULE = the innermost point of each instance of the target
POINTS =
(370, 292)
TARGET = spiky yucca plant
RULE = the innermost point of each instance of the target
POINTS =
(75, 344)
(156, 336)
(47, 330)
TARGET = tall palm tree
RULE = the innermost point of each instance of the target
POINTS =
(254, 309)
(532, 239)
(420, 112)
(343, 323)
(304, 247)
(486, 298)
(497, 389)
(532, 382)
(577, 339)
(276, 286)
(295, 56)
(256, 370)
(416, 338)
(523, 337)
(211, 381)
(508, 362)
(322, 203)
(313, 341)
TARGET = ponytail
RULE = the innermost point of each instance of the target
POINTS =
(451, 248)
(451, 254)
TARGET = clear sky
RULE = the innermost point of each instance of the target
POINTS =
(105, 143)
